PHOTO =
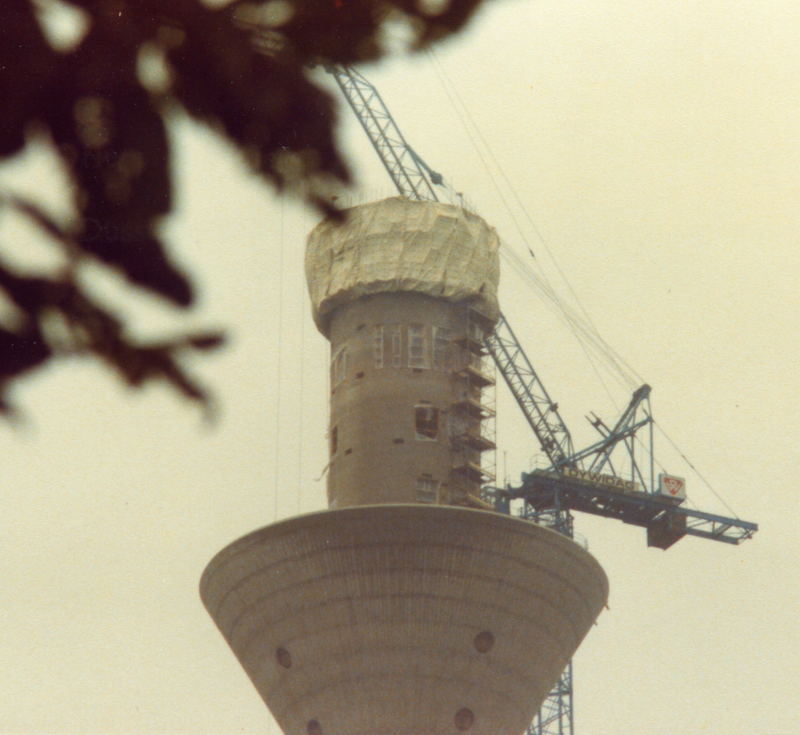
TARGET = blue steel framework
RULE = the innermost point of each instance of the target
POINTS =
(410, 174)
(548, 492)
(556, 715)
(539, 409)
(549, 496)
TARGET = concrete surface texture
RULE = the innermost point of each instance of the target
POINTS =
(403, 619)
(406, 292)
(405, 419)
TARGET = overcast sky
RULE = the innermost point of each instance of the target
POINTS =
(654, 146)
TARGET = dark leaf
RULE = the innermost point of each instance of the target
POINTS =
(27, 64)
(21, 352)
(206, 341)
(41, 219)
(113, 142)
(348, 31)
(29, 293)
(267, 108)
(109, 132)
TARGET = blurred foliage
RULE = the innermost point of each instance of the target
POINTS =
(240, 68)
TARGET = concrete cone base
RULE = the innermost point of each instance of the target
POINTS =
(403, 619)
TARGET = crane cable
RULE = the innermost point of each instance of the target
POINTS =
(278, 369)
(587, 337)
(697, 472)
(301, 403)
(583, 328)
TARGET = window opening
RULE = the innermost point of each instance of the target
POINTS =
(426, 422)
(377, 346)
(397, 346)
(441, 348)
(416, 346)
(475, 332)
(338, 367)
(459, 424)
(427, 489)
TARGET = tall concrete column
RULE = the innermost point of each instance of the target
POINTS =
(395, 612)
(406, 292)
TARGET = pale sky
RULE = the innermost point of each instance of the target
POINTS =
(655, 146)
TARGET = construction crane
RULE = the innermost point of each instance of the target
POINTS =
(587, 480)
(641, 502)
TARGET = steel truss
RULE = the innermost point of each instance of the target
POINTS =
(531, 395)
(555, 714)
(549, 497)
(411, 175)
(661, 516)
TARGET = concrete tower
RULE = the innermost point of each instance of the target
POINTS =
(405, 293)
(396, 612)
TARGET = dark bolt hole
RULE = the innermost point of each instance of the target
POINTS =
(464, 719)
(483, 641)
(284, 658)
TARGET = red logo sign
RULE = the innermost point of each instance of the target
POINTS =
(673, 485)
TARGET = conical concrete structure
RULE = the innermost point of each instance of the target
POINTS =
(408, 608)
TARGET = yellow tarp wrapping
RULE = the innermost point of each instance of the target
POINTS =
(402, 245)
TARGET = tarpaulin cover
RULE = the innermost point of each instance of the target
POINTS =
(402, 245)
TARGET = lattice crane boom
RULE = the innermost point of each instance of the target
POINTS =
(413, 178)
(527, 388)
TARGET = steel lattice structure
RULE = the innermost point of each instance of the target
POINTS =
(555, 714)
(548, 497)
(410, 174)
(540, 410)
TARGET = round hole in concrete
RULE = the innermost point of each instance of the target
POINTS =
(313, 728)
(464, 719)
(284, 658)
(483, 641)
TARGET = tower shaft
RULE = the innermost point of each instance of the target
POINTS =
(395, 613)
(406, 293)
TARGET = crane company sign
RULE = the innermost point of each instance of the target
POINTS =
(671, 486)
(610, 482)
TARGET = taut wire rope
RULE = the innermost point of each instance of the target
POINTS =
(582, 327)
